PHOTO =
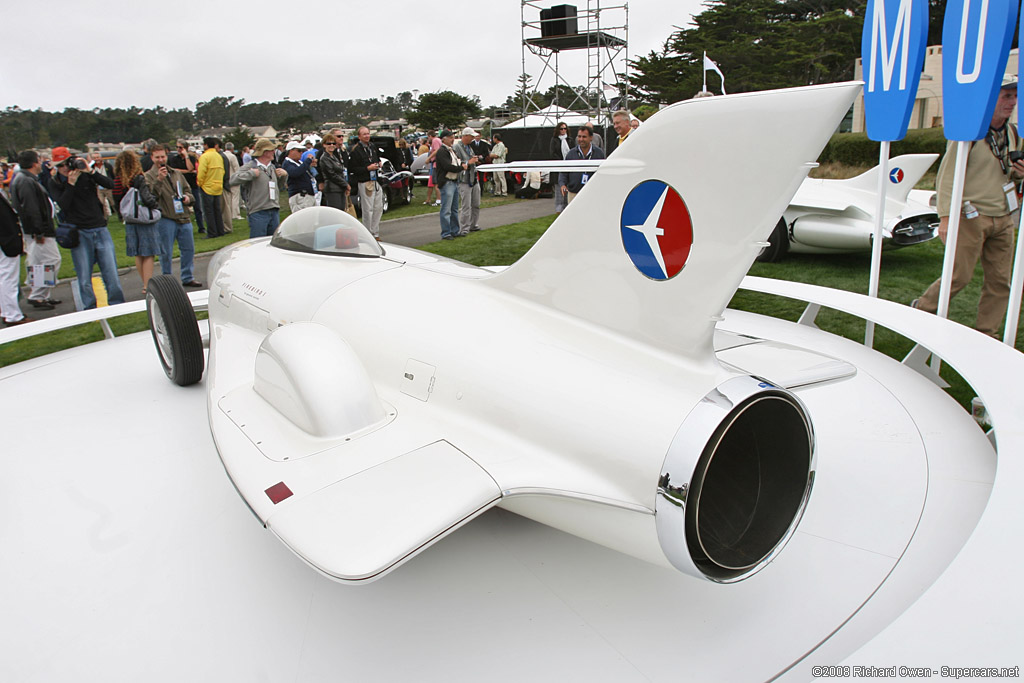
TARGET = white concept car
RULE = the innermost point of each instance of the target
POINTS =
(579, 467)
(838, 216)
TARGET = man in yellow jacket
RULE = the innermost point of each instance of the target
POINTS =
(210, 177)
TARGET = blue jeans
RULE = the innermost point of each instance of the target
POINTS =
(169, 231)
(96, 246)
(449, 209)
(197, 205)
(264, 223)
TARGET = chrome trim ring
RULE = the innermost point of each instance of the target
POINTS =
(720, 436)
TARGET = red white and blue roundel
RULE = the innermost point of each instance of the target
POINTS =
(896, 175)
(657, 232)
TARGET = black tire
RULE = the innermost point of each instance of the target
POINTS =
(778, 243)
(172, 321)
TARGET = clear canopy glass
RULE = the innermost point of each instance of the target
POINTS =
(325, 230)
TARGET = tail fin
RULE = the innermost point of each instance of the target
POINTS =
(904, 172)
(719, 169)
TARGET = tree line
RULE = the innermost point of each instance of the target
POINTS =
(21, 129)
(758, 44)
(761, 45)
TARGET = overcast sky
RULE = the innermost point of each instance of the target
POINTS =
(85, 54)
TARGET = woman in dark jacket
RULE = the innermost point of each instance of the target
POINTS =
(142, 240)
(560, 146)
(333, 172)
(406, 154)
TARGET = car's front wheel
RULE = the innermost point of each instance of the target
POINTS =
(778, 243)
(172, 320)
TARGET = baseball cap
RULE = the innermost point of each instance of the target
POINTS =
(468, 131)
(59, 155)
(1009, 81)
(294, 145)
(445, 133)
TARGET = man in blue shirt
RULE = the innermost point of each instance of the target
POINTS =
(570, 184)
(301, 188)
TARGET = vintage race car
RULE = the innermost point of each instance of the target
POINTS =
(396, 187)
(838, 216)
(369, 400)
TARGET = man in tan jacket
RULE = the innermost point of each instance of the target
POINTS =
(989, 215)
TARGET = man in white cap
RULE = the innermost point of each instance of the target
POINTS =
(469, 186)
(301, 189)
(989, 214)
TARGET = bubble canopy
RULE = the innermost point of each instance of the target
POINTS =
(326, 230)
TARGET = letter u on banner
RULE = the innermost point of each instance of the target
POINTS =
(976, 37)
(892, 53)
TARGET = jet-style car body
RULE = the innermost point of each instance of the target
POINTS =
(368, 400)
(838, 216)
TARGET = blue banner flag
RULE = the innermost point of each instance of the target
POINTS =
(976, 37)
(892, 49)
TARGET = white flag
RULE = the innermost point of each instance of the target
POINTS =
(711, 66)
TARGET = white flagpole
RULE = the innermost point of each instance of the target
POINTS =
(1016, 284)
(704, 68)
(876, 243)
(963, 148)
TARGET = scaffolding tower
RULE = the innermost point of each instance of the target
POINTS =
(600, 29)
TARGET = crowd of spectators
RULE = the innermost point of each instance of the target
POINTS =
(67, 200)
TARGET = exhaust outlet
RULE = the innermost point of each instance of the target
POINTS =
(735, 481)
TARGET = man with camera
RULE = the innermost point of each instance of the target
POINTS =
(363, 166)
(73, 186)
(989, 214)
(469, 184)
(173, 193)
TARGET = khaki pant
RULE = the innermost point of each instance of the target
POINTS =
(107, 200)
(227, 213)
(990, 239)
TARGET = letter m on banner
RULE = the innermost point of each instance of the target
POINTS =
(892, 53)
(976, 36)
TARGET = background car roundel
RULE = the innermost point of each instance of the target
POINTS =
(896, 175)
(657, 232)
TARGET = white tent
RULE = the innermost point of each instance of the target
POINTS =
(547, 117)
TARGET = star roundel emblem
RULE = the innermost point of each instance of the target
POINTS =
(657, 232)
(896, 176)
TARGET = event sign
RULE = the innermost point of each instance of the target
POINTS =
(892, 48)
(976, 37)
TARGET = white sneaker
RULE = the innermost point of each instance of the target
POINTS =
(437, 203)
